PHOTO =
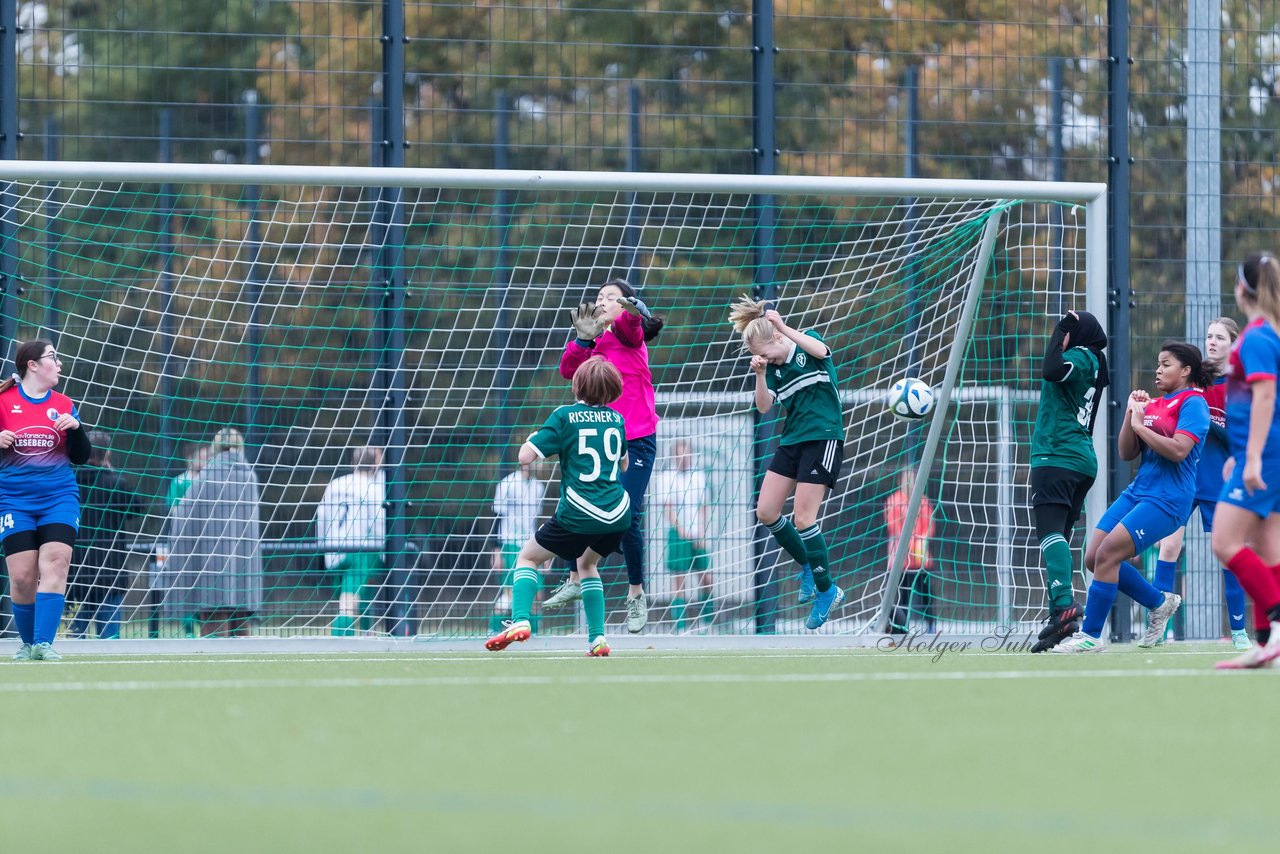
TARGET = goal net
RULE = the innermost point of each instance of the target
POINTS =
(246, 337)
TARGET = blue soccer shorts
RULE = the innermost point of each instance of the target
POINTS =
(1146, 522)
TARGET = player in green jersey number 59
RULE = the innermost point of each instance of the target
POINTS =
(594, 509)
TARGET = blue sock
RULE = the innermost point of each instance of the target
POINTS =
(24, 618)
(1102, 595)
(48, 615)
(1137, 588)
(1234, 594)
(1166, 575)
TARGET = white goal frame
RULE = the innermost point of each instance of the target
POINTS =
(1090, 197)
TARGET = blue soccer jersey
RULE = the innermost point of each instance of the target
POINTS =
(1167, 484)
(1214, 451)
(1254, 358)
(37, 467)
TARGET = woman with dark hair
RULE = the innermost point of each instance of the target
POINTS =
(1219, 336)
(618, 327)
(1167, 432)
(40, 440)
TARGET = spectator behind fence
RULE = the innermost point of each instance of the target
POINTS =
(108, 503)
(351, 527)
(684, 502)
(175, 604)
(215, 547)
(516, 504)
(914, 594)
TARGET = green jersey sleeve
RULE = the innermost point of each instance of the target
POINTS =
(548, 441)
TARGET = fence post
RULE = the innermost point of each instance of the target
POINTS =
(8, 151)
(765, 160)
(392, 382)
(1202, 613)
(502, 280)
(631, 232)
(1119, 293)
(253, 201)
(51, 278)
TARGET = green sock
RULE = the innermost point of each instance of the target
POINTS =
(677, 611)
(708, 613)
(816, 551)
(524, 589)
(343, 626)
(1057, 570)
(785, 533)
(593, 607)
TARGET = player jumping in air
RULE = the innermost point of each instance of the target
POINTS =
(1167, 432)
(795, 369)
(618, 327)
(1063, 461)
(594, 509)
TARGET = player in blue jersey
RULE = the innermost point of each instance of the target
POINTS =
(40, 439)
(1167, 432)
(1246, 531)
(1219, 337)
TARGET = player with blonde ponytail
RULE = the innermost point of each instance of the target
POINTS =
(796, 369)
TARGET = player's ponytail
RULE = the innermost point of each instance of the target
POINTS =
(1202, 372)
(747, 317)
(8, 383)
(1259, 276)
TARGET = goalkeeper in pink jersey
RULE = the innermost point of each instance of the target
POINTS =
(618, 327)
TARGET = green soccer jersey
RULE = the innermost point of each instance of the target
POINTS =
(590, 441)
(1062, 436)
(806, 388)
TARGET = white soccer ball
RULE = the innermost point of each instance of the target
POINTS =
(910, 398)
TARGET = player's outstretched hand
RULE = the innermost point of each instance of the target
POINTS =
(635, 306)
(587, 322)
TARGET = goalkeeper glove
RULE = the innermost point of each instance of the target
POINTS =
(587, 323)
(635, 306)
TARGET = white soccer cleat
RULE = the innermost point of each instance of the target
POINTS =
(637, 614)
(1080, 642)
(1159, 620)
(1240, 640)
(1258, 658)
(569, 591)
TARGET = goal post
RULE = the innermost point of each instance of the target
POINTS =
(317, 311)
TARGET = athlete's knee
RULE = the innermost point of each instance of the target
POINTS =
(767, 515)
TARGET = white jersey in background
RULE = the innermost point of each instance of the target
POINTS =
(517, 503)
(685, 492)
(351, 515)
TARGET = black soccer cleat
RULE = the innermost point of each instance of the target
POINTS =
(1063, 624)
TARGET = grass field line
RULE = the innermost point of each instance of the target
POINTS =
(83, 686)
(473, 657)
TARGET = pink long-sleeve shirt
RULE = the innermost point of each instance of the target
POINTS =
(622, 345)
